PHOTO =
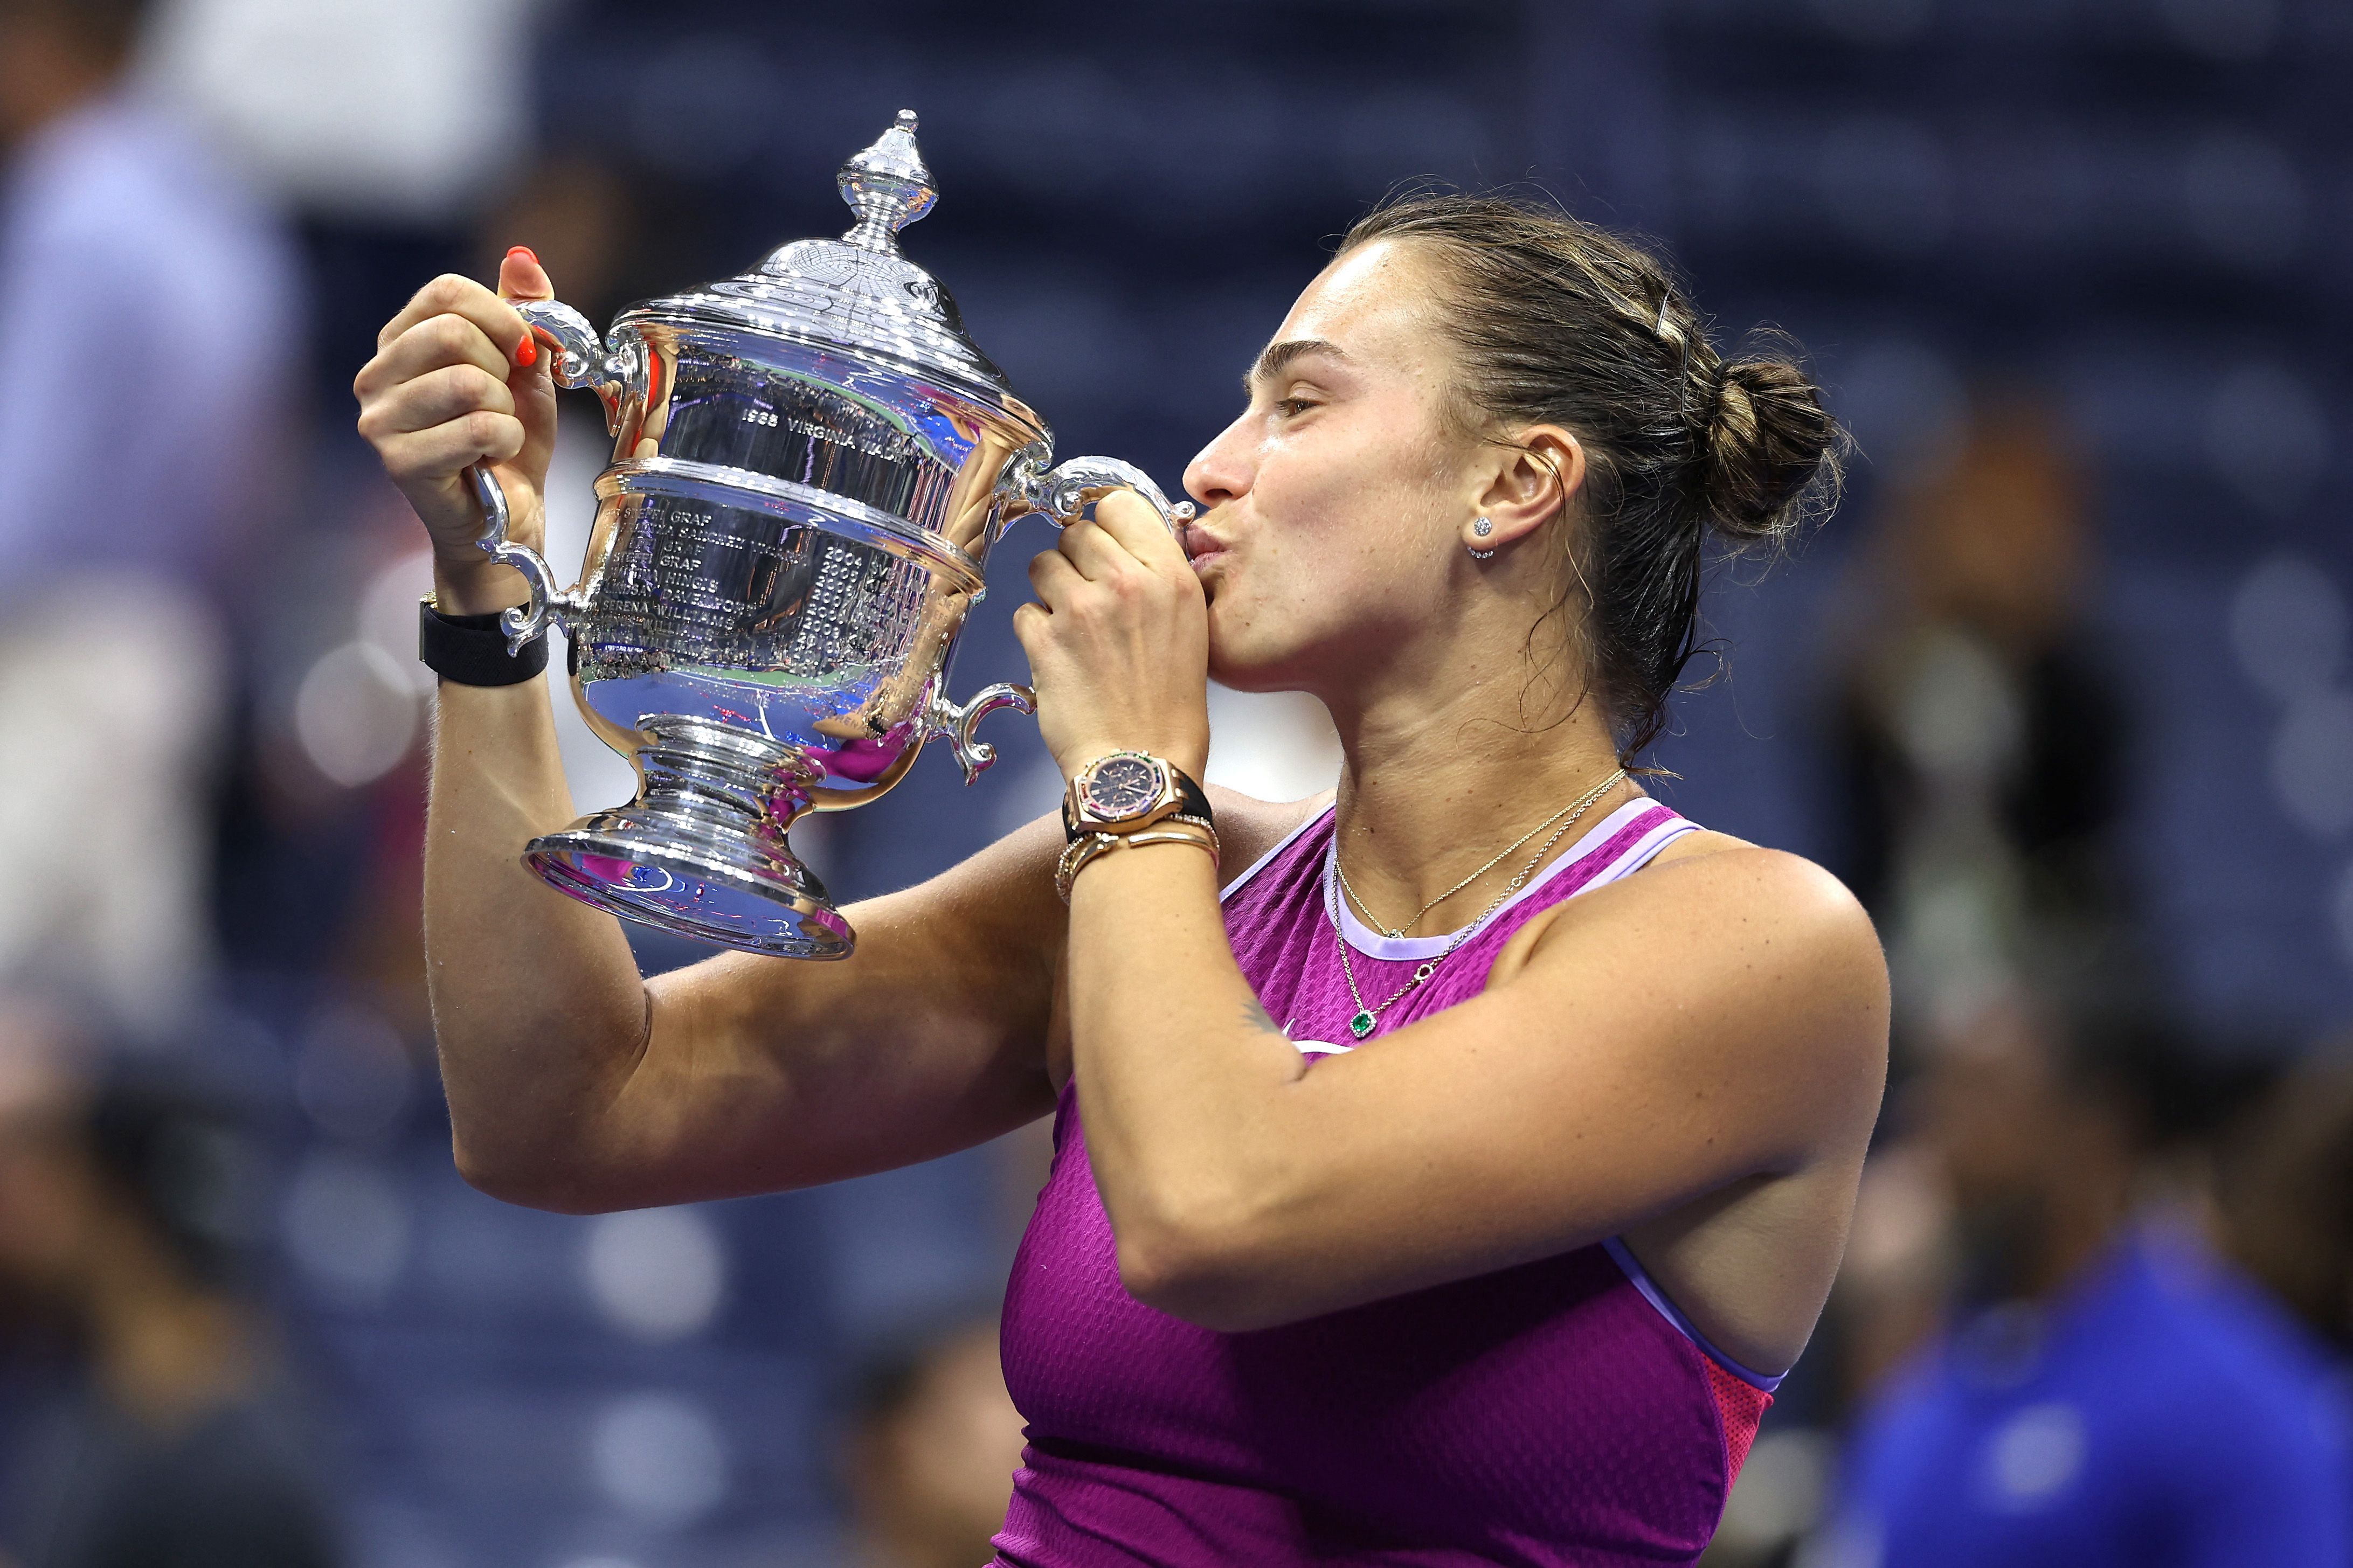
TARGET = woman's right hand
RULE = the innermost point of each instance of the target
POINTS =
(457, 379)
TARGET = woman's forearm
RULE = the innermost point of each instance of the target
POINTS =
(1181, 1074)
(537, 1004)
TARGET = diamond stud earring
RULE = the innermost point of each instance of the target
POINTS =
(1483, 528)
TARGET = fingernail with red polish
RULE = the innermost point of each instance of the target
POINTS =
(527, 351)
(525, 252)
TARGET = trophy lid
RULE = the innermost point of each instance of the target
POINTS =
(858, 293)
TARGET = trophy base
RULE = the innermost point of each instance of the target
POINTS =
(630, 863)
(701, 852)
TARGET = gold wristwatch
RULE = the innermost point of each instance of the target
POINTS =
(1123, 791)
(1130, 797)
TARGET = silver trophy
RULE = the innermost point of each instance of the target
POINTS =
(810, 462)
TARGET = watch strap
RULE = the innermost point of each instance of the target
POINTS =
(472, 650)
(1192, 800)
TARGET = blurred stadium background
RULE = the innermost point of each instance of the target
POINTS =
(2069, 669)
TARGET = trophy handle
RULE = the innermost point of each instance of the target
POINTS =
(953, 723)
(1067, 492)
(581, 357)
(580, 361)
(549, 603)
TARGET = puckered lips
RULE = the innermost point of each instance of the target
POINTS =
(1201, 546)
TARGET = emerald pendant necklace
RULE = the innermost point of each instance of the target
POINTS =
(1362, 1023)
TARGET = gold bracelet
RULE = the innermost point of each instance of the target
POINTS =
(1216, 846)
(1086, 848)
(1158, 833)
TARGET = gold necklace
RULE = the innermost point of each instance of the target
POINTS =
(1362, 1021)
(1572, 811)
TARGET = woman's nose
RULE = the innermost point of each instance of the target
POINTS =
(1219, 471)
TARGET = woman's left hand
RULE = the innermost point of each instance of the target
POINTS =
(1119, 641)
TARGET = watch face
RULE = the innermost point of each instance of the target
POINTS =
(1121, 786)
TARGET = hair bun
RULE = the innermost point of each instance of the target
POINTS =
(1772, 452)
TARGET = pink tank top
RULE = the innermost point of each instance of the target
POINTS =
(1561, 1412)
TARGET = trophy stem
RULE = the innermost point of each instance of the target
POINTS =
(702, 851)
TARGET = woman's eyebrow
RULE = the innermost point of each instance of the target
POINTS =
(1276, 357)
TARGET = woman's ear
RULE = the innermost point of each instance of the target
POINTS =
(1530, 486)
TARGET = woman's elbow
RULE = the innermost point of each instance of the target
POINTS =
(529, 1180)
(1198, 1271)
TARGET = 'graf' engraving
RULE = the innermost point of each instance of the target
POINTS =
(761, 594)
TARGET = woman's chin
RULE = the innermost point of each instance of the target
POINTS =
(1243, 657)
(1236, 671)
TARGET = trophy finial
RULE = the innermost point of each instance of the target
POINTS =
(887, 186)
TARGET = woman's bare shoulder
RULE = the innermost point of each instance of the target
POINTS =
(1710, 903)
(1699, 844)
(1786, 891)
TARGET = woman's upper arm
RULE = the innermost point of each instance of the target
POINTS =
(759, 1074)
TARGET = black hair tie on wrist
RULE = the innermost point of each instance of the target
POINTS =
(472, 650)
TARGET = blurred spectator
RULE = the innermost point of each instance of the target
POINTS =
(2107, 1390)
(930, 1463)
(379, 111)
(148, 1427)
(382, 123)
(148, 304)
(1898, 1273)
(2287, 1195)
(1979, 745)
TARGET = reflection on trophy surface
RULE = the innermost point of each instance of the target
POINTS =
(811, 461)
